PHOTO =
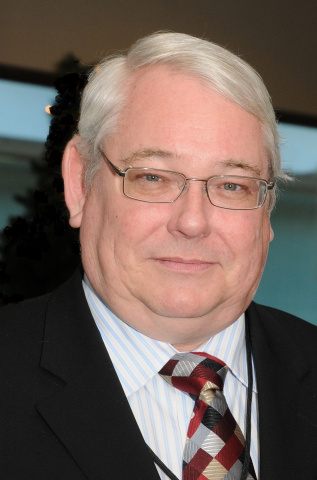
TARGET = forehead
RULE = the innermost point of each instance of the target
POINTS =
(177, 112)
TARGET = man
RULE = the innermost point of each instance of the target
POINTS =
(171, 182)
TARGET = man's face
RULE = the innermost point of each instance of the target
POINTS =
(188, 269)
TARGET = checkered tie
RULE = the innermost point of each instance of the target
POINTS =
(214, 446)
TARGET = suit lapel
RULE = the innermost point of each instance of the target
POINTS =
(281, 372)
(85, 413)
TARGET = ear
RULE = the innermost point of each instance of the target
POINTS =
(73, 169)
(271, 234)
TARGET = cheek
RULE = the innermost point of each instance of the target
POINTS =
(130, 231)
(247, 236)
(260, 238)
(138, 220)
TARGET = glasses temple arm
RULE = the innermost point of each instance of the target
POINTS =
(114, 168)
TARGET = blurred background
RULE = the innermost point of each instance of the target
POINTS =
(41, 40)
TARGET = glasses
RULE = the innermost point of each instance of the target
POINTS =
(153, 185)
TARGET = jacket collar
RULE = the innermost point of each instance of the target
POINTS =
(83, 413)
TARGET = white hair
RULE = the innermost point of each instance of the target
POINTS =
(105, 94)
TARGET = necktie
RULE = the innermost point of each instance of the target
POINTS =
(215, 445)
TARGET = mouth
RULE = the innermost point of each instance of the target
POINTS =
(183, 265)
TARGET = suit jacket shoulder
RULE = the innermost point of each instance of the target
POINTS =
(284, 351)
(303, 333)
(63, 413)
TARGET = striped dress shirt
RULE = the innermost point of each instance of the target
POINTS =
(163, 412)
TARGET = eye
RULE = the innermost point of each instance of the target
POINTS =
(231, 187)
(152, 178)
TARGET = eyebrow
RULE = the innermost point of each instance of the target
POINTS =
(242, 165)
(145, 153)
(130, 160)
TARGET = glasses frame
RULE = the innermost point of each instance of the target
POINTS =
(122, 173)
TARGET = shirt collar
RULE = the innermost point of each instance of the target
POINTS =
(229, 345)
(137, 358)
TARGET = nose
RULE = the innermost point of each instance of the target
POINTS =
(191, 212)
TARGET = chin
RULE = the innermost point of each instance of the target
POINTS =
(183, 305)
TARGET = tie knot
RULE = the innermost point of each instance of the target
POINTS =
(195, 372)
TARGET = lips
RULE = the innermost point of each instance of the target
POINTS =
(182, 260)
(190, 265)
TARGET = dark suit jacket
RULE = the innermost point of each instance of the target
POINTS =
(64, 416)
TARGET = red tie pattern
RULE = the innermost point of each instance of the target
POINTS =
(214, 448)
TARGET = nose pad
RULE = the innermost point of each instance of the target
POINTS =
(183, 188)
